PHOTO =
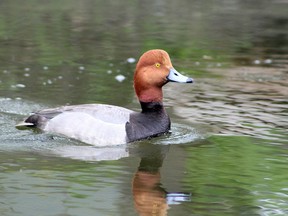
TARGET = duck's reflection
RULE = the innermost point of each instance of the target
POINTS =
(150, 198)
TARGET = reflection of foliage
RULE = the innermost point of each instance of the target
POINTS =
(50, 32)
(244, 163)
(69, 34)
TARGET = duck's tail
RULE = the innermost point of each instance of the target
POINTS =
(24, 124)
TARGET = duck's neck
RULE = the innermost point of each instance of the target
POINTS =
(148, 94)
(151, 106)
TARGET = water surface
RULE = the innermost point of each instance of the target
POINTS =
(227, 151)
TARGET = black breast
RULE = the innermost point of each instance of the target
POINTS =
(152, 121)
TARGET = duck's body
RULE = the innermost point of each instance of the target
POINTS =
(89, 123)
(101, 125)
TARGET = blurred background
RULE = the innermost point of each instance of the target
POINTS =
(48, 40)
(228, 146)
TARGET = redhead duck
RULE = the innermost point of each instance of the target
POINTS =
(103, 125)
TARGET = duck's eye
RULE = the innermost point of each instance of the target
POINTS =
(157, 65)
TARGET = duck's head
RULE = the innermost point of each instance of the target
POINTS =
(153, 70)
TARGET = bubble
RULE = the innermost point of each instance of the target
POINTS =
(81, 68)
(131, 60)
(45, 68)
(268, 61)
(206, 57)
(257, 62)
(27, 69)
(109, 71)
(19, 85)
(120, 78)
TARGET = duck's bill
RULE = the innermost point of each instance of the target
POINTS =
(175, 76)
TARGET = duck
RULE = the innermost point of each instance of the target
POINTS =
(106, 125)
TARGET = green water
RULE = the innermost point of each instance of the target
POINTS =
(228, 150)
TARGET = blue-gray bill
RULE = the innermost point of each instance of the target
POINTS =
(175, 76)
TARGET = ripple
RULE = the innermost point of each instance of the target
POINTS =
(238, 104)
(180, 134)
(16, 106)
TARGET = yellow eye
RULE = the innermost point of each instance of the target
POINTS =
(157, 65)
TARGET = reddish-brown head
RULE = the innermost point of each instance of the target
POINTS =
(150, 75)
(153, 70)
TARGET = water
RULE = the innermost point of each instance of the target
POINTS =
(227, 153)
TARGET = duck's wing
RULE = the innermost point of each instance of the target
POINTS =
(106, 113)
